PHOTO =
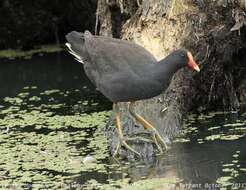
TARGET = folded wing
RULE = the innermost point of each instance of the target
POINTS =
(104, 56)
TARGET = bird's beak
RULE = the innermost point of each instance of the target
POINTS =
(191, 62)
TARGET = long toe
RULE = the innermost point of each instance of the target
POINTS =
(117, 150)
(139, 139)
(123, 142)
(158, 145)
(159, 141)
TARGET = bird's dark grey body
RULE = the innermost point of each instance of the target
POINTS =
(121, 70)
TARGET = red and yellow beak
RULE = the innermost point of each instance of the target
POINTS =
(191, 62)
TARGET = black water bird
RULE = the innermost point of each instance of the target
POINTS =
(126, 72)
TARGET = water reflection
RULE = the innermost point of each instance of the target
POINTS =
(51, 118)
(218, 162)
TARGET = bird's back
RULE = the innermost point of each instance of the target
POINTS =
(106, 58)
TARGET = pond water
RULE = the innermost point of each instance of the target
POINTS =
(51, 119)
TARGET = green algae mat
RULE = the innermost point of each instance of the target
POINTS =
(42, 147)
(50, 137)
(47, 143)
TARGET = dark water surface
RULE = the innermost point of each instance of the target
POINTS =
(50, 121)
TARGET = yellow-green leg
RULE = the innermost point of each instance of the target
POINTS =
(155, 134)
(122, 140)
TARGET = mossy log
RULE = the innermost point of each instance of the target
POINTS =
(213, 31)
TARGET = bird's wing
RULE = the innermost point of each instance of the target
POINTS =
(112, 55)
(106, 56)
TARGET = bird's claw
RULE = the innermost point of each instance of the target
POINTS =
(158, 140)
(122, 142)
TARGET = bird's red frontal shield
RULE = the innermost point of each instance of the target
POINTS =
(191, 62)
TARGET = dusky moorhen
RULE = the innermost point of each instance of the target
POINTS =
(126, 72)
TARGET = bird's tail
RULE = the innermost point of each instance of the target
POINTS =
(75, 45)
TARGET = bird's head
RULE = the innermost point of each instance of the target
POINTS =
(184, 57)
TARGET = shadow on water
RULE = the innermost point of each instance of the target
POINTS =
(50, 121)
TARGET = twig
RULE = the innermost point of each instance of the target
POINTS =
(97, 20)
(212, 87)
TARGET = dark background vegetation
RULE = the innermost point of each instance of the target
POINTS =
(24, 24)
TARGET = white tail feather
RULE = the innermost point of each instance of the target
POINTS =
(79, 60)
(68, 45)
(77, 57)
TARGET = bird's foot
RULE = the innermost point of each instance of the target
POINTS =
(158, 140)
(123, 142)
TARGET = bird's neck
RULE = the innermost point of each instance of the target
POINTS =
(166, 68)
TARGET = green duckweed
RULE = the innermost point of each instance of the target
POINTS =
(12, 54)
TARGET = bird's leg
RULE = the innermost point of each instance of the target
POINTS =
(122, 140)
(155, 134)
